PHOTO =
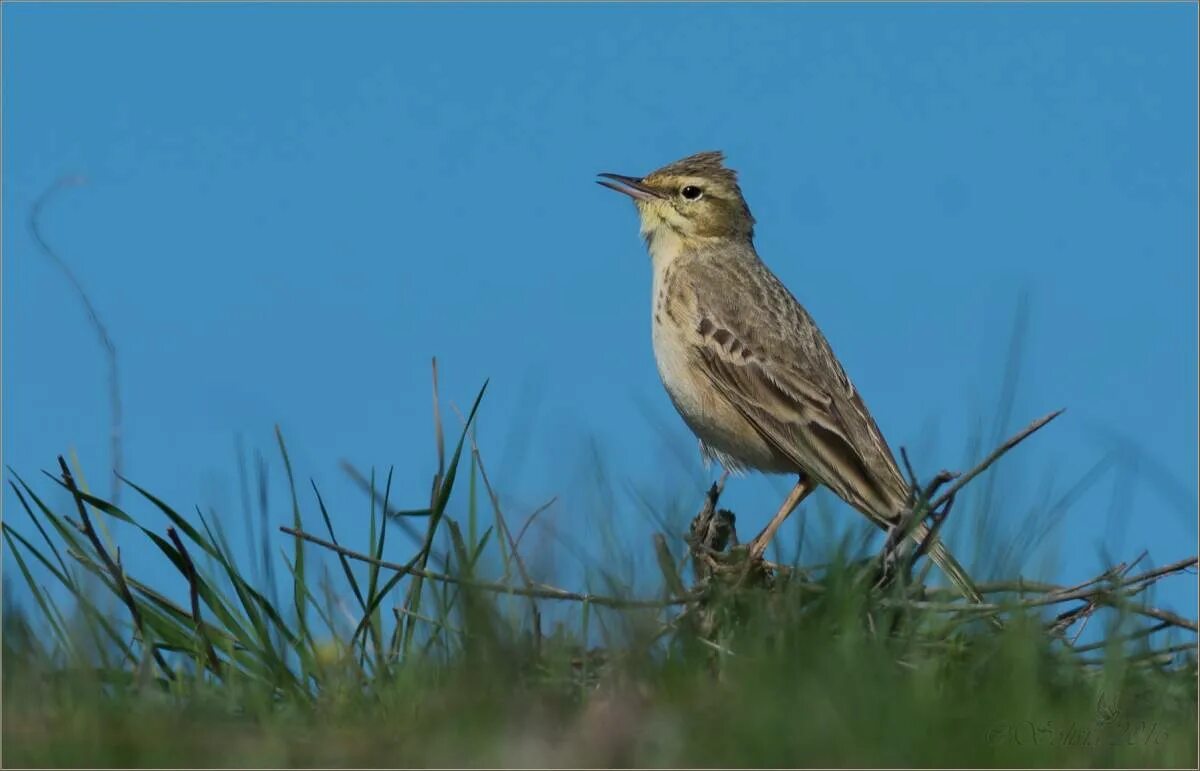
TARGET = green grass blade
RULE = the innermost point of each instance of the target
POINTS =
(60, 632)
(439, 509)
(41, 530)
(299, 587)
(341, 557)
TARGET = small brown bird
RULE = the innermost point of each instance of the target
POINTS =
(743, 362)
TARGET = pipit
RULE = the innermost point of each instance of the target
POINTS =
(743, 362)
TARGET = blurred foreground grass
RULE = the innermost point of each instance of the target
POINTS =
(444, 663)
(801, 700)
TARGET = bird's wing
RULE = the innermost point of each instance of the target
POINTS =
(808, 409)
(787, 383)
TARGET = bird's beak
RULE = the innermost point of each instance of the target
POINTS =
(630, 186)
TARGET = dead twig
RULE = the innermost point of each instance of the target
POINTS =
(996, 454)
(106, 342)
(1143, 632)
(532, 516)
(1115, 597)
(1163, 655)
(540, 591)
(895, 545)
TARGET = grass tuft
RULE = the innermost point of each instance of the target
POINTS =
(473, 661)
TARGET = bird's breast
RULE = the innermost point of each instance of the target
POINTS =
(671, 322)
(724, 432)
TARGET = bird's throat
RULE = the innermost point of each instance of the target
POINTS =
(664, 244)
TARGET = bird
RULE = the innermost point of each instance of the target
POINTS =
(744, 363)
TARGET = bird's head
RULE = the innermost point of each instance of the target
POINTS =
(695, 198)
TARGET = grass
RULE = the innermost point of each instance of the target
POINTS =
(457, 657)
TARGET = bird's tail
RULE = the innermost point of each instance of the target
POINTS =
(938, 552)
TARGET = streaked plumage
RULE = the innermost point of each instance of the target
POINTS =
(743, 362)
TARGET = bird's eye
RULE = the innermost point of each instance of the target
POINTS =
(691, 192)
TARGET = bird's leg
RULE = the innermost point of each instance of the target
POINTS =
(759, 545)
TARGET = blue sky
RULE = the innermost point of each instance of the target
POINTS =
(292, 208)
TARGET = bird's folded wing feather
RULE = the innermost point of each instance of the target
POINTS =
(801, 402)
